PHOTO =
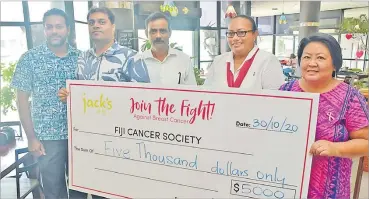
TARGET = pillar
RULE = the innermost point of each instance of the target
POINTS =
(309, 18)
(309, 22)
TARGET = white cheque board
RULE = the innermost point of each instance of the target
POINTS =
(140, 141)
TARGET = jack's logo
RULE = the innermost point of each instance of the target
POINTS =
(101, 105)
(242, 124)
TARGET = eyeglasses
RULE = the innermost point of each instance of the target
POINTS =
(240, 33)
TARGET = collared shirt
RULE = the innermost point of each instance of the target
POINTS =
(106, 67)
(41, 73)
(265, 72)
(176, 68)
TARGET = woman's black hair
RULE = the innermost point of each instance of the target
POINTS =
(332, 45)
(254, 27)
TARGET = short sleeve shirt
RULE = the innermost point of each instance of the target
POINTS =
(41, 73)
(106, 67)
(342, 111)
(265, 71)
(176, 68)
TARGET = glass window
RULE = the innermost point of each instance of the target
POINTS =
(11, 11)
(354, 64)
(38, 35)
(358, 46)
(223, 41)
(351, 46)
(184, 40)
(224, 21)
(296, 44)
(80, 10)
(96, 4)
(13, 45)
(356, 12)
(82, 36)
(209, 13)
(329, 31)
(266, 43)
(293, 24)
(265, 25)
(38, 8)
(346, 46)
(283, 46)
(329, 23)
(141, 38)
(208, 45)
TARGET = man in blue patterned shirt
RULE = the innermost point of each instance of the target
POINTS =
(106, 60)
(39, 74)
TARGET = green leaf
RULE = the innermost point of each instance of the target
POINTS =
(7, 94)
(7, 99)
(349, 23)
(199, 80)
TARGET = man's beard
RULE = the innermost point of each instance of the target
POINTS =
(57, 44)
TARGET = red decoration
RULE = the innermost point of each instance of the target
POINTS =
(359, 53)
(231, 12)
(348, 36)
(230, 15)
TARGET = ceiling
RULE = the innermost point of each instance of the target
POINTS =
(266, 8)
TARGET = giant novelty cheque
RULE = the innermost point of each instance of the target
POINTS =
(130, 140)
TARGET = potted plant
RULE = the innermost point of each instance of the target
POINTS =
(356, 29)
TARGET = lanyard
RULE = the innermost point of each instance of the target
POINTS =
(242, 74)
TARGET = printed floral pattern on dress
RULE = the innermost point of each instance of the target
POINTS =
(330, 176)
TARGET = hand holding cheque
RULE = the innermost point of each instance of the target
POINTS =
(63, 94)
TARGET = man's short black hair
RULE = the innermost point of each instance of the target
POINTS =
(104, 10)
(155, 16)
(57, 12)
(252, 21)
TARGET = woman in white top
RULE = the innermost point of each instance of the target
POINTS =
(246, 66)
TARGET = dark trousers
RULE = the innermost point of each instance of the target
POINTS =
(54, 169)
